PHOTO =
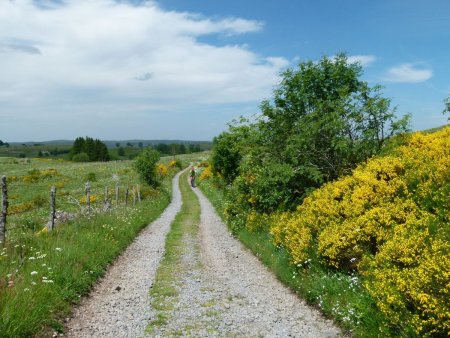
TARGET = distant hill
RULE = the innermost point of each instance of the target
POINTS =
(112, 143)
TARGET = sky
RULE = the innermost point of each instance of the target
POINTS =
(183, 69)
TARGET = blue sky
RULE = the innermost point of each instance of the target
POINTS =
(182, 69)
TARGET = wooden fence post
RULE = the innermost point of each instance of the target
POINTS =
(52, 208)
(117, 193)
(106, 195)
(88, 195)
(138, 193)
(134, 196)
(126, 195)
(4, 210)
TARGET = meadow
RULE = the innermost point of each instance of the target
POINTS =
(42, 274)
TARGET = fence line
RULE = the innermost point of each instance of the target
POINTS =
(53, 216)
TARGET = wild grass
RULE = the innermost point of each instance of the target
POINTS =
(42, 276)
(338, 295)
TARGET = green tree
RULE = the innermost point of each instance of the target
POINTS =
(182, 149)
(324, 120)
(145, 164)
(225, 157)
(163, 148)
(78, 146)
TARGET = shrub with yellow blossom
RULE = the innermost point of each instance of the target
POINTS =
(162, 170)
(206, 173)
(390, 221)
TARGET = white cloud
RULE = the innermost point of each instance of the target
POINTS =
(364, 60)
(408, 73)
(84, 56)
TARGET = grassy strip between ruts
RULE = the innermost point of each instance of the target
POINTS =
(164, 291)
(42, 276)
(338, 295)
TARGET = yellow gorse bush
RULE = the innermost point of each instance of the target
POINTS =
(206, 173)
(35, 175)
(162, 169)
(389, 220)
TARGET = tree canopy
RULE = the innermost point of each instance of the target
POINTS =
(321, 122)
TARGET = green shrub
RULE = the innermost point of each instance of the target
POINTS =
(81, 157)
(145, 165)
(91, 177)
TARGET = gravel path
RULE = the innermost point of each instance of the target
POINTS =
(223, 290)
(257, 303)
(119, 305)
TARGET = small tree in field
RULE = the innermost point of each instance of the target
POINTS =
(145, 165)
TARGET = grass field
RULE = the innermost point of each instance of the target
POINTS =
(43, 274)
(30, 181)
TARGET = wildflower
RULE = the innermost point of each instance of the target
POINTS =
(32, 258)
(47, 281)
(33, 283)
(26, 289)
(34, 273)
(58, 249)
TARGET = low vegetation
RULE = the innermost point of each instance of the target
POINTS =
(42, 274)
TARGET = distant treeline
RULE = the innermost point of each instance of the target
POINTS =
(175, 148)
(87, 149)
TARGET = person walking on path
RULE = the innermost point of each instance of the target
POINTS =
(192, 177)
